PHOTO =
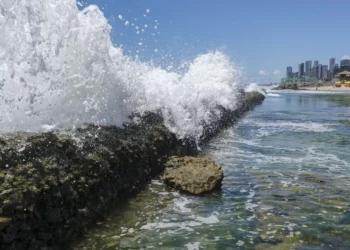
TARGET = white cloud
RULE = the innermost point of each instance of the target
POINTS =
(345, 57)
(277, 72)
(262, 73)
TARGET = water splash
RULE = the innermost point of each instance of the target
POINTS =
(59, 69)
(255, 87)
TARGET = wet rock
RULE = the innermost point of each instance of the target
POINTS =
(345, 122)
(4, 222)
(265, 239)
(193, 175)
(292, 86)
(314, 179)
(54, 185)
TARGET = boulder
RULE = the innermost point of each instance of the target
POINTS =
(195, 175)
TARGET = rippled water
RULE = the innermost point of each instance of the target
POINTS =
(286, 186)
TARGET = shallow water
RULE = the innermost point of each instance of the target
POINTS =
(286, 186)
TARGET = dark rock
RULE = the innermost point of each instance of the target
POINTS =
(345, 122)
(264, 239)
(346, 218)
(192, 174)
(314, 179)
(53, 188)
(292, 86)
(4, 222)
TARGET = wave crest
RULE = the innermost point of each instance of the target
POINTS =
(59, 69)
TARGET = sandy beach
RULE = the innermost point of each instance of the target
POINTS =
(326, 88)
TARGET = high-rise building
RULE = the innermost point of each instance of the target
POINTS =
(336, 68)
(301, 70)
(315, 63)
(308, 65)
(324, 71)
(331, 67)
(345, 63)
(289, 72)
(319, 71)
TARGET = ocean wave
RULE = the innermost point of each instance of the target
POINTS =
(59, 70)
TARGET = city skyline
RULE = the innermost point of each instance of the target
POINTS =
(319, 70)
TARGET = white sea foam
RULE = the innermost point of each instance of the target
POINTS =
(212, 219)
(193, 221)
(59, 67)
(180, 204)
(273, 95)
(193, 246)
(266, 128)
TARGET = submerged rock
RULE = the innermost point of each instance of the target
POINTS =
(345, 122)
(193, 175)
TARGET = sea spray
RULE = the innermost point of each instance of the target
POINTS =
(59, 69)
(253, 87)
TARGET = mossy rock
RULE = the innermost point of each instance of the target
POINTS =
(4, 222)
(193, 175)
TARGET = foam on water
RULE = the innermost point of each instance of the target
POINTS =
(266, 128)
(273, 95)
(59, 69)
(193, 246)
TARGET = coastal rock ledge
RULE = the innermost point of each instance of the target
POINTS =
(54, 186)
(195, 175)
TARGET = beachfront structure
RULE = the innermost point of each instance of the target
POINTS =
(343, 76)
(299, 80)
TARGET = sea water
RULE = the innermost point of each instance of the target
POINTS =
(286, 186)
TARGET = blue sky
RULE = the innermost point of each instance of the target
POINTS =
(264, 37)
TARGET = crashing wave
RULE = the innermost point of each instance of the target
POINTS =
(59, 69)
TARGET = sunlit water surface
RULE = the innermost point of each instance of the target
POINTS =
(286, 186)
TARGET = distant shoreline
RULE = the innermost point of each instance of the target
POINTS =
(326, 88)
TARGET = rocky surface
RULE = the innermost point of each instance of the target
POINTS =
(293, 86)
(54, 185)
(195, 175)
(345, 122)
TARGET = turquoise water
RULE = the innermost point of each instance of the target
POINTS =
(286, 186)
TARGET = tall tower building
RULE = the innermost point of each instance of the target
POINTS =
(301, 70)
(315, 63)
(289, 72)
(324, 71)
(331, 67)
(319, 71)
(308, 65)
